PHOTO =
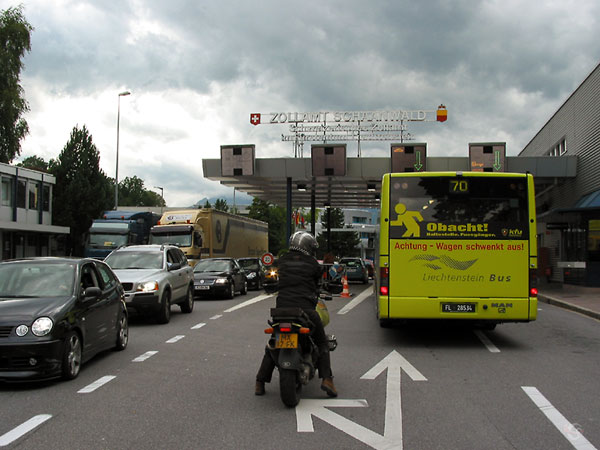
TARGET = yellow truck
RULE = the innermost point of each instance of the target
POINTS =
(209, 233)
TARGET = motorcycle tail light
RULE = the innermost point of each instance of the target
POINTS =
(268, 330)
(285, 329)
(304, 330)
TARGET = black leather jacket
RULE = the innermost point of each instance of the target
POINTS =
(299, 280)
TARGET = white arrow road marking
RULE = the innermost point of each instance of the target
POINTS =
(96, 384)
(567, 429)
(23, 429)
(364, 294)
(486, 341)
(392, 434)
(145, 356)
(249, 302)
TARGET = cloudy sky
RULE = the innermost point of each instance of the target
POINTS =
(196, 69)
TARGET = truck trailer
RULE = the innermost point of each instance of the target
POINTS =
(118, 228)
(209, 233)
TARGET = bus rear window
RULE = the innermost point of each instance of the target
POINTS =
(463, 199)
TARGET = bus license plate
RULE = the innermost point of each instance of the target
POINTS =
(458, 307)
(287, 341)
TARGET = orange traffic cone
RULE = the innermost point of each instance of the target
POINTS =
(346, 291)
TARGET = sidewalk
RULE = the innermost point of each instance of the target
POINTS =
(582, 299)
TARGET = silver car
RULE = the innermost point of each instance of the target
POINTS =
(154, 277)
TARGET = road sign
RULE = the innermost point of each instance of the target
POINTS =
(267, 259)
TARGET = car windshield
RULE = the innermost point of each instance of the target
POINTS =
(249, 264)
(135, 260)
(208, 265)
(36, 279)
(107, 240)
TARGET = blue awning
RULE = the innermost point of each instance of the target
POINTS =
(589, 202)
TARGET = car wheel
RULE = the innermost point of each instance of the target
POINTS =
(244, 290)
(229, 293)
(71, 359)
(164, 315)
(122, 332)
(188, 306)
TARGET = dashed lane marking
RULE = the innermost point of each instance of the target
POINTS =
(23, 429)
(145, 356)
(96, 384)
(486, 341)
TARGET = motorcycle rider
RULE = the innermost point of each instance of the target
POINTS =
(299, 278)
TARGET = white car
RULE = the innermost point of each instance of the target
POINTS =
(154, 277)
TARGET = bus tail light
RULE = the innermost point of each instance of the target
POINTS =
(384, 284)
(533, 291)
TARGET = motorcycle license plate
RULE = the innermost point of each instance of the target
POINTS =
(285, 340)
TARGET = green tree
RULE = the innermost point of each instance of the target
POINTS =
(221, 205)
(34, 163)
(15, 40)
(341, 243)
(133, 193)
(82, 190)
(207, 204)
(275, 217)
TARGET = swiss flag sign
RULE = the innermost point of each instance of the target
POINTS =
(255, 118)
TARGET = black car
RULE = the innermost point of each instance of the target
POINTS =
(219, 276)
(255, 271)
(55, 314)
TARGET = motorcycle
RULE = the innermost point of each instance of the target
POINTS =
(293, 349)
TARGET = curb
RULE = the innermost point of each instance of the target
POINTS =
(570, 306)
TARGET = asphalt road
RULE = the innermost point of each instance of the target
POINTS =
(424, 386)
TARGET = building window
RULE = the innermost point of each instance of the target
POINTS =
(34, 194)
(21, 193)
(559, 149)
(359, 219)
(46, 198)
(7, 192)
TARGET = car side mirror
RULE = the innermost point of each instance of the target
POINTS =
(92, 293)
(173, 266)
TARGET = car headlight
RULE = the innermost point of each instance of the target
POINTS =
(251, 275)
(22, 330)
(148, 286)
(42, 326)
(221, 280)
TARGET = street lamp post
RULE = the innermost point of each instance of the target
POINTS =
(121, 94)
(162, 198)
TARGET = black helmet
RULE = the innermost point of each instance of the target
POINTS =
(304, 242)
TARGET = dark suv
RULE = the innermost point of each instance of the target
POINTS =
(154, 277)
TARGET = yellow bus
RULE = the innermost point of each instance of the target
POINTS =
(457, 245)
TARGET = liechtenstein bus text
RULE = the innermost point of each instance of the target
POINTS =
(457, 245)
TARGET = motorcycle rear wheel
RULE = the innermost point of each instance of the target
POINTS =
(289, 387)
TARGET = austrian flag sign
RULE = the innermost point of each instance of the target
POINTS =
(255, 118)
